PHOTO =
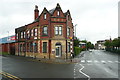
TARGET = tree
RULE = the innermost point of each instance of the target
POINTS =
(89, 45)
(76, 42)
(107, 44)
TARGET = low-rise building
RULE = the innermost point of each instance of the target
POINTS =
(100, 45)
(49, 36)
(7, 44)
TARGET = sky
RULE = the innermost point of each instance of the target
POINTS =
(95, 19)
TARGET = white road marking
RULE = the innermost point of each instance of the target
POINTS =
(74, 71)
(83, 72)
(96, 61)
(89, 61)
(82, 60)
(116, 61)
(74, 74)
(103, 61)
(110, 61)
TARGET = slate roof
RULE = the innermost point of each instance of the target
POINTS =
(51, 11)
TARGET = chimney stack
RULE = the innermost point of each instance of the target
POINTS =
(36, 12)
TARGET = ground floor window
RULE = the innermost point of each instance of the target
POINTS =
(35, 47)
(20, 47)
(28, 47)
(24, 48)
(68, 47)
(44, 47)
(31, 47)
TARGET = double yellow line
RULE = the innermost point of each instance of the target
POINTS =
(9, 76)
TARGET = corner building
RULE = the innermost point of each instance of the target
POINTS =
(49, 36)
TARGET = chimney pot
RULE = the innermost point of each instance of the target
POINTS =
(36, 12)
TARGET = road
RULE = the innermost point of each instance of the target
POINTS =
(97, 64)
(93, 65)
(26, 68)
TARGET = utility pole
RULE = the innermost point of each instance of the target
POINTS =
(75, 29)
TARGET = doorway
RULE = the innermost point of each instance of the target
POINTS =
(58, 50)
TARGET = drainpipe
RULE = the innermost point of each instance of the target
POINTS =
(66, 36)
(49, 26)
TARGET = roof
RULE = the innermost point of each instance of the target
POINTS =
(51, 11)
(9, 39)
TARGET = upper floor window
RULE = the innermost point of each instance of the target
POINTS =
(58, 13)
(32, 32)
(45, 30)
(24, 35)
(35, 32)
(58, 30)
(45, 16)
(28, 34)
(17, 36)
(68, 31)
(21, 34)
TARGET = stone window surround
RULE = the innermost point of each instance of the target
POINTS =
(61, 29)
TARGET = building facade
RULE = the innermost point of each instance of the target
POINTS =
(100, 45)
(49, 36)
(7, 45)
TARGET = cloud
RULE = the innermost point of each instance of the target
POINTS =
(96, 19)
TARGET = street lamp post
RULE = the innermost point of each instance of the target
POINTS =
(75, 29)
(74, 36)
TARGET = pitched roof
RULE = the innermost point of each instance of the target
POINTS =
(51, 11)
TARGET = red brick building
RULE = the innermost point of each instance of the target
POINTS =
(7, 44)
(49, 36)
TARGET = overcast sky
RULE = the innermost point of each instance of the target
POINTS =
(95, 19)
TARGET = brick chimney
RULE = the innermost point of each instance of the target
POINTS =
(36, 12)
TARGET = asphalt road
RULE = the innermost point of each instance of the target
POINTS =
(97, 64)
(26, 68)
